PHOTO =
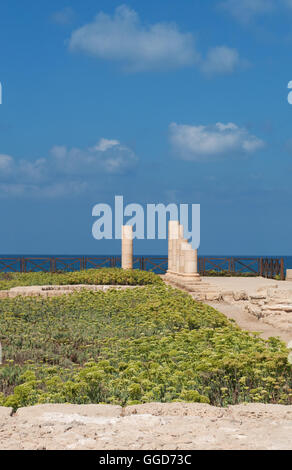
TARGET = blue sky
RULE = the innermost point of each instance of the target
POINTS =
(157, 101)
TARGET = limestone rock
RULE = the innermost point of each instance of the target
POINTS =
(241, 295)
(5, 412)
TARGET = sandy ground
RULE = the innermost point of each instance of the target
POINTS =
(174, 426)
(249, 284)
(248, 322)
(237, 311)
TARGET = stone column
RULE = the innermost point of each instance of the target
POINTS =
(190, 261)
(181, 267)
(170, 248)
(196, 262)
(173, 239)
(127, 247)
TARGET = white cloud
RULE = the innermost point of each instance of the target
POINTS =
(105, 144)
(137, 47)
(64, 16)
(122, 37)
(5, 162)
(107, 156)
(201, 143)
(221, 60)
(65, 171)
(245, 10)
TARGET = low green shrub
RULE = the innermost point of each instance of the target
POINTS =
(134, 346)
(226, 273)
(112, 276)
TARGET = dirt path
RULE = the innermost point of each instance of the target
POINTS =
(151, 426)
(248, 322)
(219, 292)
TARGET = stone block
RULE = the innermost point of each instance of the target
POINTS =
(241, 295)
(5, 412)
(39, 411)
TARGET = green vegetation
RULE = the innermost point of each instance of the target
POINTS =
(226, 273)
(134, 346)
(110, 276)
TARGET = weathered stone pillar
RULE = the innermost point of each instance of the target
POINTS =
(196, 262)
(170, 248)
(177, 250)
(173, 239)
(190, 261)
(127, 247)
(181, 266)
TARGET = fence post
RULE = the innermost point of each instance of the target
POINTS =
(261, 267)
(232, 266)
(53, 265)
(282, 270)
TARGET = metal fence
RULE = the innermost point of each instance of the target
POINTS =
(266, 267)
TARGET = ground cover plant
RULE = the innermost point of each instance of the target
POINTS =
(226, 273)
(111, 276)
(134, 346)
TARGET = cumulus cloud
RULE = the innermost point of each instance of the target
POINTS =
(66, 170)
(199, 143)
(105, 144)
(137, 47)
(107, 156)
(221, 60)
(124, 38)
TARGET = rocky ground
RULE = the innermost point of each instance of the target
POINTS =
(54, 291)
(255, 303)
(174, 426)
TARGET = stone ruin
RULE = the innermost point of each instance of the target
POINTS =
(182, 258)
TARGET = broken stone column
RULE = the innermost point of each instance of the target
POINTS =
(190, 260)
(127, 247)
(182, 258)
(173, 239)
(196, 263)
(170, 250)
(181, 267)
